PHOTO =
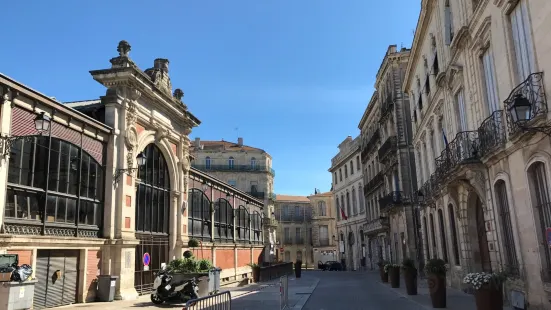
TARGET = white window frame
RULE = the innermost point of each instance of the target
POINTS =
(522, 41)
(459, 99)
(490, 81)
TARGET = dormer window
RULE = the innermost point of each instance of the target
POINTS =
(230, 163)
(207, 162)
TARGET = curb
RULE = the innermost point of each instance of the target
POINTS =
(304, 299)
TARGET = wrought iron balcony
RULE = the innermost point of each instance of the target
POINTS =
(491, 133)
(369, 146)
(259, 195)
(392, 199)
(465, 148)
(390, 145)
(386, 108)
(374, 183)
(236, 168)
(533, 90)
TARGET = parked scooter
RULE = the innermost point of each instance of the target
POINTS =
(168, 287)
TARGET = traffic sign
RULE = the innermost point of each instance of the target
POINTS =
(146, 259)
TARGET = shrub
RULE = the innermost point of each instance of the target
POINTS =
(184, 265)
(188, 254)
(408, 264)
(193, 243)
(204, 265)
(436, 266)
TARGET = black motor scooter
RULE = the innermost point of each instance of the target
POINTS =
(170, 287)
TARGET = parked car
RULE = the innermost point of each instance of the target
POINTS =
(330, 265)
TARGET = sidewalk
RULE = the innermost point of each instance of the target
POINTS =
(456, 299)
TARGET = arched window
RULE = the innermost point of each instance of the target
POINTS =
(443, 235)
(242, 223)
(361, 198)
(230, 163)
(207, 162)
(345, 171)
(223, 221)
(199, 222)
(63, 201)
(509, 249)
(153, 193)
(253, 163)
(453, 228)
(354, 202)
(256, 225)
(321, 208)
(539, 189)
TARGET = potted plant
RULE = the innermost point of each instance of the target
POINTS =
(488, 289)
(394, 275)
(298, 268)
(256, 271)
(436, 270)
(382, 272)
(410, 276)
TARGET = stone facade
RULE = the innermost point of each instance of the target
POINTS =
(484, 178)
(349, 204)
(96, 190)
(323, 227)
(294, 230)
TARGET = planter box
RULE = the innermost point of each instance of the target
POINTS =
(410, 279)
(437, 290)
(488, 298)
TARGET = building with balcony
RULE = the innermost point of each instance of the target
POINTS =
(246, 168)
(324, 234)
(478, 86)
(89, 187)
(346, 170)
(387, 159)
(294, 231)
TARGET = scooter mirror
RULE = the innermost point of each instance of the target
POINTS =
(163, 266)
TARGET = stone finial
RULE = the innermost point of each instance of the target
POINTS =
(161, 63)
(178, 94)
(123, 48)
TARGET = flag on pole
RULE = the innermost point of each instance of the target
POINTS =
(445, 138)
(344, 217)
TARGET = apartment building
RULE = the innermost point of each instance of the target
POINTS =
(294, 231)
(476, 80)
(246, 168)
(349, 203)
(324, 241)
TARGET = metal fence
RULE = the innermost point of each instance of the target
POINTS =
(220, 301)
(284, 292)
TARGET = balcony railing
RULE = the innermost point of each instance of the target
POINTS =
(464, 148)
(394, 198)
(532, 89)
(369, 146)
(491, 133)
(374, 183)
(390, 145)
(236, 168)
(386, 108)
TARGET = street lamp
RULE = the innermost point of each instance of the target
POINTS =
(520, 110)
(140, 159)
(41, 124)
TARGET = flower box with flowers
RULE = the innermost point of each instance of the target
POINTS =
(488, 289)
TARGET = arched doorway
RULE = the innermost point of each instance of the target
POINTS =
(477, 233)
(152, 217)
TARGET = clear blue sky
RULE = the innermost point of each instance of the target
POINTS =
(293, 75)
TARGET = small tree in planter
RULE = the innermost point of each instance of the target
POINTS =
(298, 268)
(410, 276)
(488, 287)
(256, 271)
(436, 270)
(382, 271)
(394, 275)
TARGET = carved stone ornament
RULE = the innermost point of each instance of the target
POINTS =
(161, 133)
(131, 139)
(123, 48)
(131, 114)
(130, 158)
(178, 94)
(123, 60)
(186, 164)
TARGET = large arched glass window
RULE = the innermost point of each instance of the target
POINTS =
(207, 162)
(199, 215)
(223, 221)
(256, 226)
(242, 223)
(67, 190)
(509, 248)
(153, 193)
(541, 201)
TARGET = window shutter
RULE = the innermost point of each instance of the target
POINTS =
(447, 25)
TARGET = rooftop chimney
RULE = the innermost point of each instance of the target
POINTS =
(197, 142)
(240, 141)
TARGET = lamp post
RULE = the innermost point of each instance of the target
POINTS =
(141, 160)
(521, 111)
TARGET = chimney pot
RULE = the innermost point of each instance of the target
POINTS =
(197, 142)
(240, 141)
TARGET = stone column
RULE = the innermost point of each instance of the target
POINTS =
(6, 102)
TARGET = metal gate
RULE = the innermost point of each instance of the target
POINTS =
(57, 275)
(157, 247)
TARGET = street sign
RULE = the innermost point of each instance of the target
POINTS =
(146, 259)
(548, 234)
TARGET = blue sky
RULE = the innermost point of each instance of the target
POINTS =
(294, 76)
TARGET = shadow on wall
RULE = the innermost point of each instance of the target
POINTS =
(92, 271)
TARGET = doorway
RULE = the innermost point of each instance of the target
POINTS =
(57, 274)
(482, 238)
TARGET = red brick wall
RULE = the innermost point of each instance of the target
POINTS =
(225, 258)
(94, 260)
(25, 256)
(257, 255)
(243, 257)
(206, 253)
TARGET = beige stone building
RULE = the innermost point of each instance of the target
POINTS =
(246, 168)
(294, 231)
(89, 187)
(388, 164)
(486, 184)
(346, 170)
(324, 234)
